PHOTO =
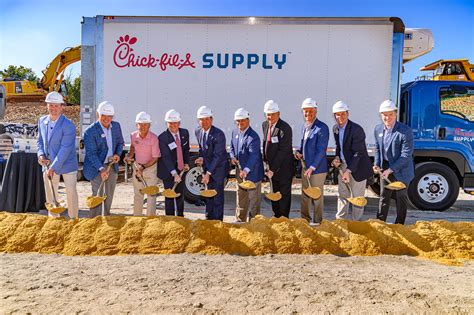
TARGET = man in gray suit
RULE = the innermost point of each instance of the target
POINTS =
(394, 158)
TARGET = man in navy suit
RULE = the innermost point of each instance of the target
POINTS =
(245, 151)
(393, 155)
(174, 148)
(278, 154)
(314, 143)
(213, 159)
(57, 149)
(352, 158)
(103, 141)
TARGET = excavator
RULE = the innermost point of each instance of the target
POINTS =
(451, 70)
(52, 80)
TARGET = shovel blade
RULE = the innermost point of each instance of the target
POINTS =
(273, 196)
(358, 201)
(169, 193)
(95, 201)
(247, 185)
(396, 186)
(150, 190)
(313, 192)
(208, 193)
(57, 209)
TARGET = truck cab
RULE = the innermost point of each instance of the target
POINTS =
(441, 114)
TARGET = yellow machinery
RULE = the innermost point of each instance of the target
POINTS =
(52, 78)
(451, 70)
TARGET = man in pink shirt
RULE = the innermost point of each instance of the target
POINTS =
(145, 151)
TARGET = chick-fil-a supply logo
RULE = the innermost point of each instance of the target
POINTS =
(124, 56)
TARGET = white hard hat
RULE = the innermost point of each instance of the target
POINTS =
(339, 106)
(143, 118)
(172, 116)
(54, 98)
(309, 103)
(204, 112)
(241, 113)
(105, 108)
(387, 106)
(271, 107)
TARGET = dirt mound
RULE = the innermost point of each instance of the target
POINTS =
(442, 241)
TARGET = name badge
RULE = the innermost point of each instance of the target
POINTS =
(380, 135)
(274, 139)
(102, 135)
(172, 145)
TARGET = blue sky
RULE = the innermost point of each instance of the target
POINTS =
(33, 32)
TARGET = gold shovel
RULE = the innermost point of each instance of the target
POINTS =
(170, 193)
(207, 193)
(95, 201)
(56, 207)
(360, 201)
(311, 192)
(392, 185)
(272, 196)
(146, 190)
(244, 184)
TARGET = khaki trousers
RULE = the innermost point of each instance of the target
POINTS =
(70, 181)
(248, 201)
(308, 204)
(358, 189)
(149, 174)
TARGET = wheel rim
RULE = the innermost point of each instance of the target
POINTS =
(433, 187)
(193, 181)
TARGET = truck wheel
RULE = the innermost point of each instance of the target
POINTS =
(435, 187)
(193, 185)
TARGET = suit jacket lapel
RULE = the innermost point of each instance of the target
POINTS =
(346, 133)
(392, 136)
(56, 127)
(100, 132)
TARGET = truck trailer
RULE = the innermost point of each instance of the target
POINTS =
(154, 64)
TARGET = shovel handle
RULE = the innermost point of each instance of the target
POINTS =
(347, 185)
(303, 164)
(140, 178)
(383, 177)
(109, 166)
(176, 184)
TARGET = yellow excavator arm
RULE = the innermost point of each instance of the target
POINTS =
(53, 75)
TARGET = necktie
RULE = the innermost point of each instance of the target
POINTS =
(179, 152)
(269, 136)
(204, 141)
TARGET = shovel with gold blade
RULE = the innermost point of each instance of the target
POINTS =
(392, 185)
(95, 201)
(244, 184)
(360, 201)
(57, 207)
(272, 196)
(146, 190)
(207, 193)
(311, 192)
(170, 193)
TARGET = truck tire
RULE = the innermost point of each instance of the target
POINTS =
(193, 185)
(435, 187)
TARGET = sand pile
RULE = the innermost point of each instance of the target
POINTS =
(442, 241)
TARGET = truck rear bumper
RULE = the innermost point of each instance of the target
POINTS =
(468, 183)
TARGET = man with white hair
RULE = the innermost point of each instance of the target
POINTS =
(144, 154)
(245, 151)
(57, 151)
(278, 155)
(394, 159)
(174, 148)
(104, 143)
(352, 159)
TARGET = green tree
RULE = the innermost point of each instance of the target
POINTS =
(73, 89)
(18, 73)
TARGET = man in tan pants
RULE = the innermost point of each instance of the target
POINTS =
(146, 151)
(245, 153)
(314, 142)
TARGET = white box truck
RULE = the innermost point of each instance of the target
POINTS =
(154, 64)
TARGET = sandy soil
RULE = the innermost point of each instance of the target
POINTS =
(282, 284)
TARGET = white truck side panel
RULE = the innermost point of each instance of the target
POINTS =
(348, 62)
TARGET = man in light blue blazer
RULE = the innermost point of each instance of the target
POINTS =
(245, 151)
(104, 143)
(393, 155)
(314, 143)
(57, 151)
